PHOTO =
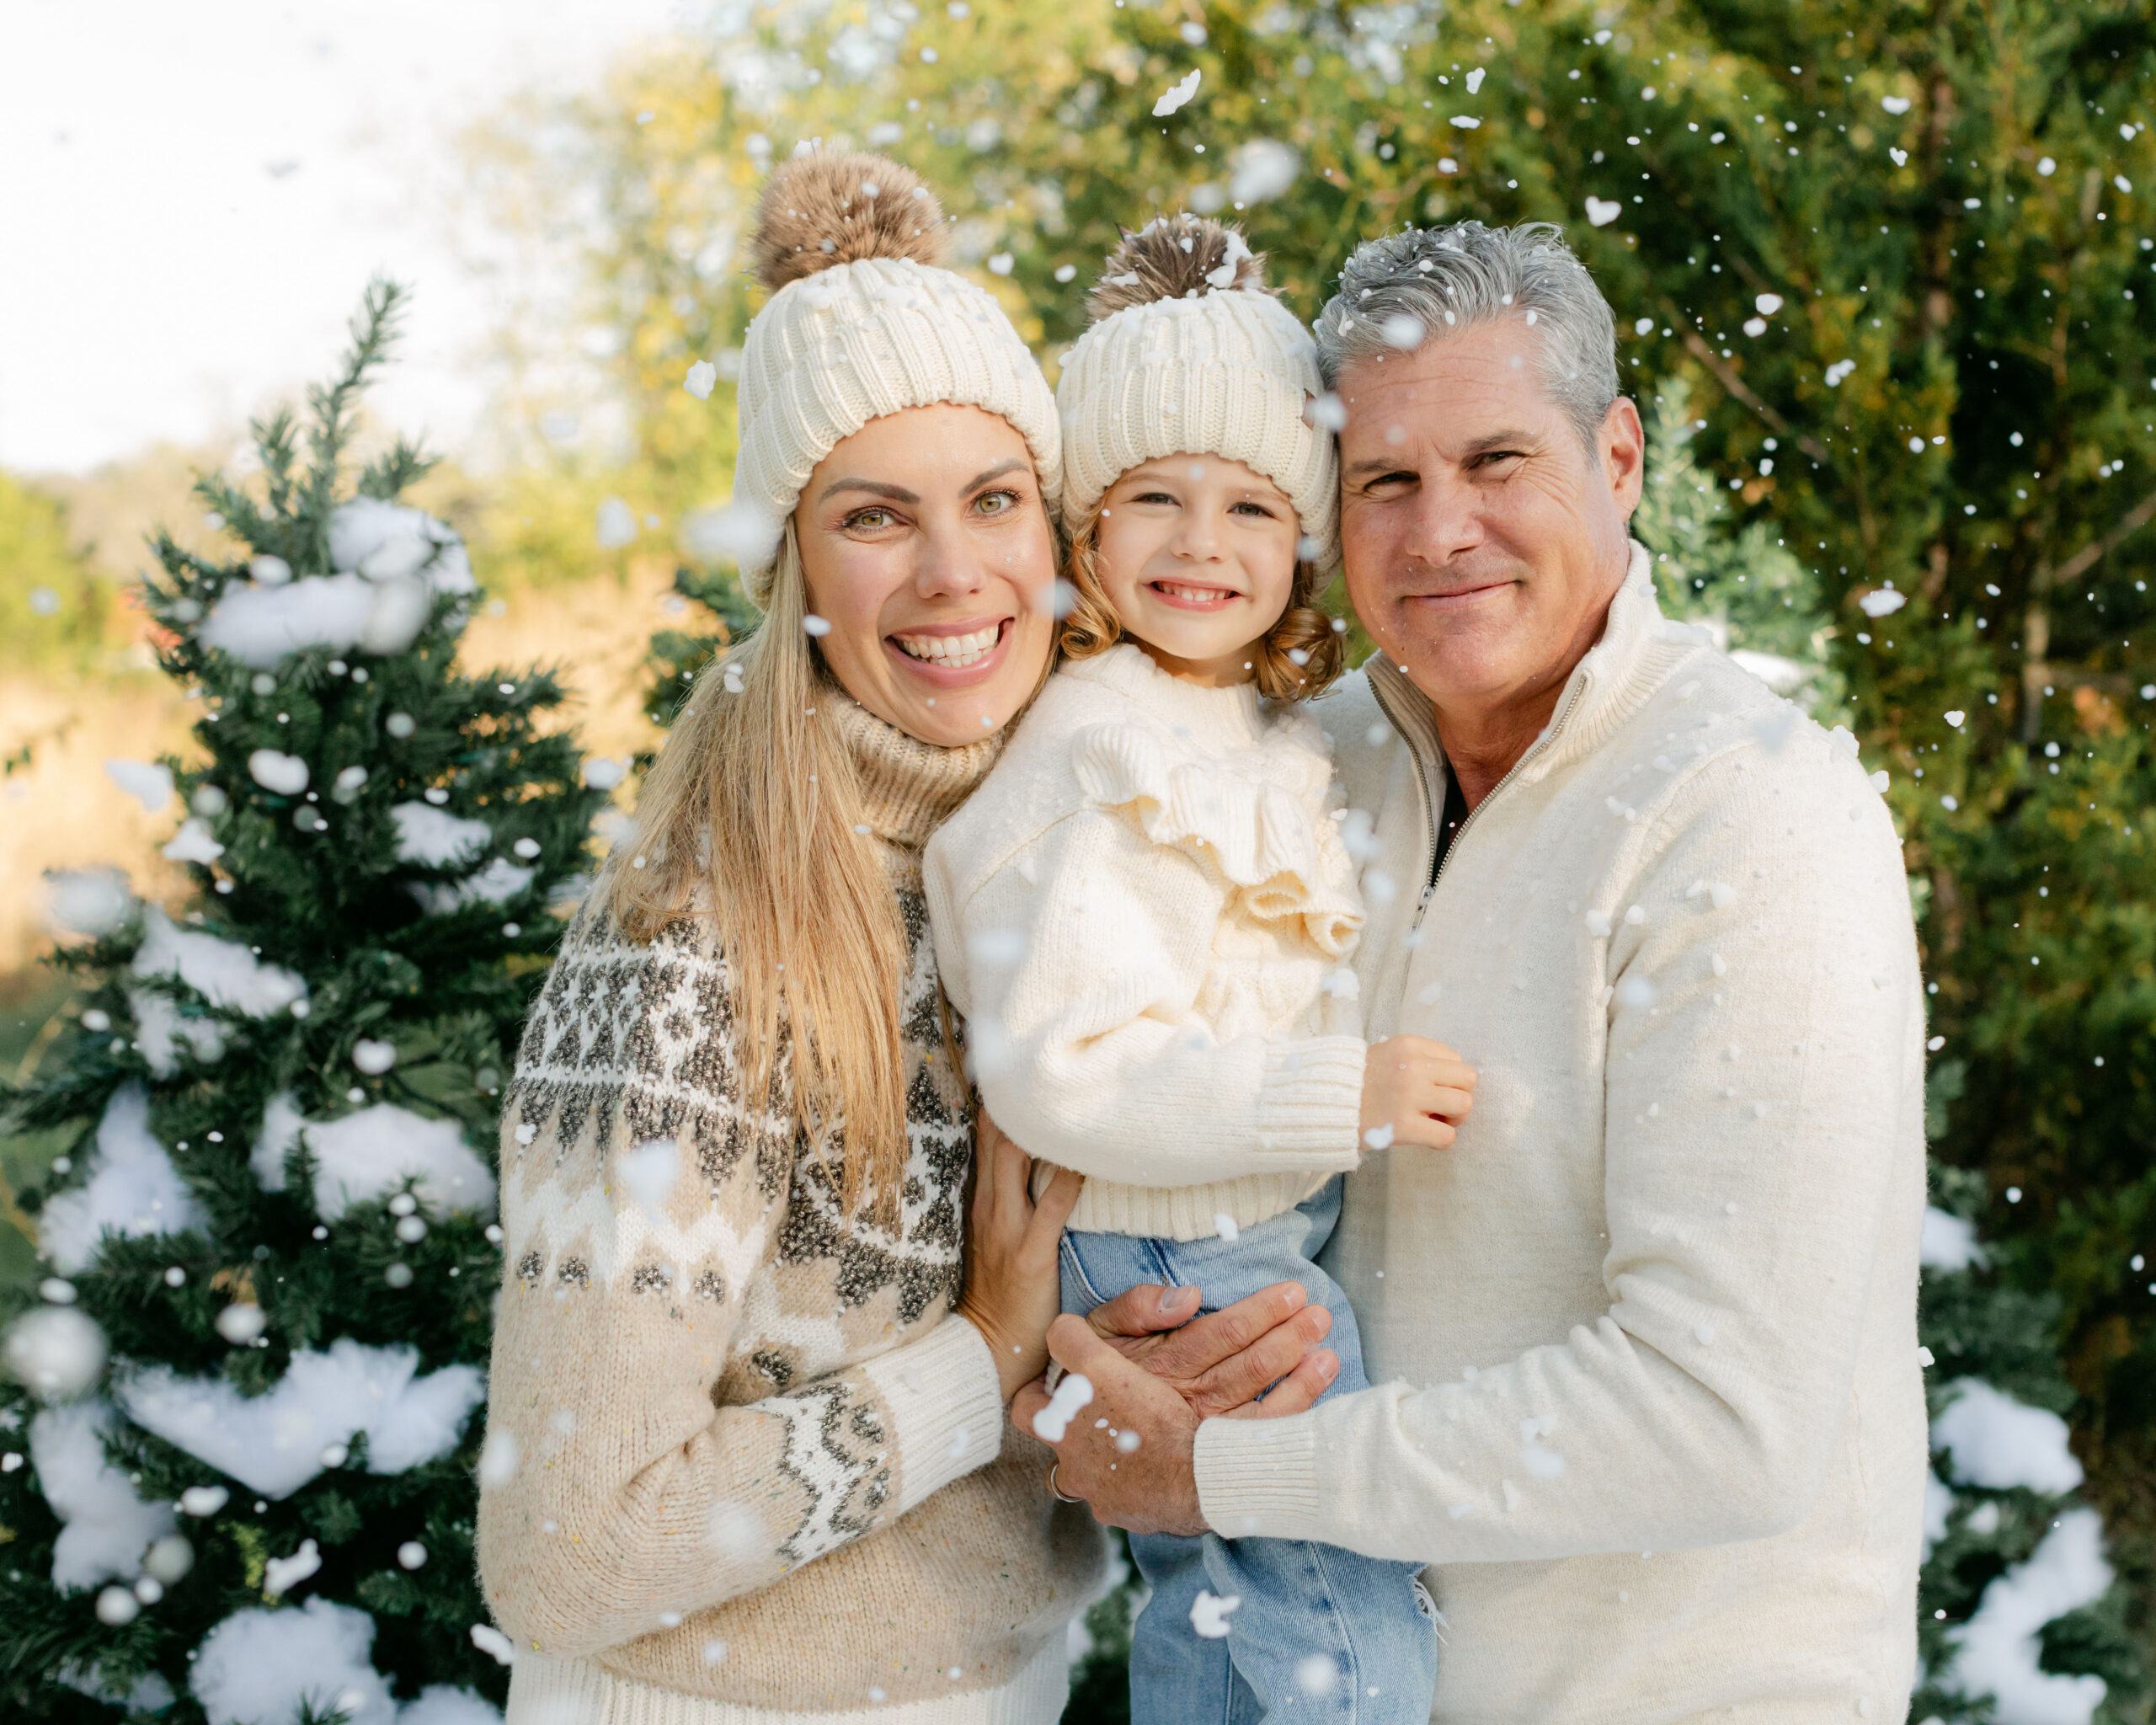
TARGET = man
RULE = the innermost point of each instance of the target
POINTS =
(1648, 1398)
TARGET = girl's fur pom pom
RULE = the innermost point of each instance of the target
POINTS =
(1176, 258)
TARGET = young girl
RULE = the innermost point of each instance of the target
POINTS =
(1145, 915)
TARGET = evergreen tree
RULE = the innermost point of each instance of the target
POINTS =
(238, 1477)
(2020, 1613)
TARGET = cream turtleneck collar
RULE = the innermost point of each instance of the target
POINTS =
(908, 788)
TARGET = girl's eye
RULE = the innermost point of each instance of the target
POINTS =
(1248, 508)
(1152, 497)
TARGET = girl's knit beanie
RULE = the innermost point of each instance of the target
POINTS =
(862, 321)
(1190, 353)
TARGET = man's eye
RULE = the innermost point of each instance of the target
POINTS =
(1385, 481)
(1490, 457)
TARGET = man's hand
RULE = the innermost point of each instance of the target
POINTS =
(1224, 1359)
(1128, 1452)
(1414, 1091)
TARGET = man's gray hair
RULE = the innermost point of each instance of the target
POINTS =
(1425, 283)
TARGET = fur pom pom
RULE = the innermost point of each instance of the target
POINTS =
(1176, 257)
(820, 210)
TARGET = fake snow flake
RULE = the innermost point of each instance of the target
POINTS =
(1600, 212)
(1636, 993)
(280, 1575)
(1885, 601)
(105, 1523)
(1053, 1421)
(702, 375)
(436, 839)
(267, 1664)
(1597, 924)
(131, 1189)
(1466, 122)
(1956, 717)
(1316, 1675)
(2000, 1443)
(286, 774)
(1261, 169)
(1403, 332)
(273, 1443)
(203, 1500)
(1327, 411)
(1001, 263)
(1177, 94)
(816, 627)
(117, 1606)
(602, 774)
(1768, 304)
(1838, 372)
(412, 1554)
(1722, 896)
(146, 781)
(242, 1322)
(374, 1058)
(1474, 79)
(1379, 1137)
(617, 525)
(1224, 1224)
(649, 1171)
(193, 843)
(1210, 1611)
(1895, 104)
(491, 1641)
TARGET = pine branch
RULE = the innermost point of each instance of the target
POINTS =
(1726, 374)
(391, 471)
(374, 332)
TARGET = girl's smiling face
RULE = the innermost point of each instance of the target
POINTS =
(1197, 555)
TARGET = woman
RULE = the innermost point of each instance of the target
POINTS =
(743, 1457)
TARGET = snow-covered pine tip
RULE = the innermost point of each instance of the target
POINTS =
(1180, 257)
(820, 210)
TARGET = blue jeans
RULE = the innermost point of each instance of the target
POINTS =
(1322, 1634)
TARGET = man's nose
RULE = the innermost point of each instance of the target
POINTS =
(1445, 519)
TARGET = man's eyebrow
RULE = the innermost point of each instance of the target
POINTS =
(1500, 440)
(982, 478)
(1375, 464)
(874, 487)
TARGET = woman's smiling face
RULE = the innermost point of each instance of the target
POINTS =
(1197, 555)
(926, 548)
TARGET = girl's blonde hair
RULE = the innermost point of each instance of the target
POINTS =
(755, 793)
(1300, 655)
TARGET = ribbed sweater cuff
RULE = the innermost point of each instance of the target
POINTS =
(946, 1403)
(1259, 1477)
(1310, 1104)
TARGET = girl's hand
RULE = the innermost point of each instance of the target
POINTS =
(1414, 1091)
(1013, 1291)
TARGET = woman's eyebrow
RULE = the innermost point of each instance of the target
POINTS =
(982, 478)
(874, 487)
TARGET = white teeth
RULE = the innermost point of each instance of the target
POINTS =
(1175, 591)
(957, 652)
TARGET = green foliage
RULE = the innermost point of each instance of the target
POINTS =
(1978, 1324)
(437, 960)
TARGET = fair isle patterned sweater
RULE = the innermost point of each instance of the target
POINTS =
(744, 1460)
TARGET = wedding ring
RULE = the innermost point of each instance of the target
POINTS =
(1057, 1490)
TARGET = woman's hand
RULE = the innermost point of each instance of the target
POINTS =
(1013, 1288)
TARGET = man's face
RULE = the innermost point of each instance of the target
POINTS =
(1483, 541)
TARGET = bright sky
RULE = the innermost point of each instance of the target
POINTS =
(196, 191)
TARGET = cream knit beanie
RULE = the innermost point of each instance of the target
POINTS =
(861, 322)
(1190, 355)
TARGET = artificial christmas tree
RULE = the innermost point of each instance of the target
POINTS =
(248, 1398)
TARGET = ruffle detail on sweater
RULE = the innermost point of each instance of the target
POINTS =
(1274, 854)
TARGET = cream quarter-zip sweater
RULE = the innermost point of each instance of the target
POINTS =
(1660, 1298)
(1139, 914)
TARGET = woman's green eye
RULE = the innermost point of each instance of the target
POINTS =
(996, 502)
(869, 518)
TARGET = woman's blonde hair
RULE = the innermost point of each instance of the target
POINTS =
(755, 793)
(1300, 655)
